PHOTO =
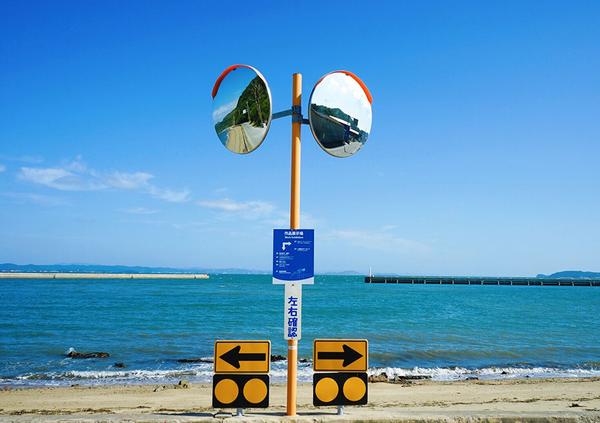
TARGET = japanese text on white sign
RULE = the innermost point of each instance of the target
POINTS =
(293, 312)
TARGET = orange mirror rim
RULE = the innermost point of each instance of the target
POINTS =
(231, 68)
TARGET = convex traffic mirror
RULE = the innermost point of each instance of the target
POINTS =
(340, 113)
(241, 108)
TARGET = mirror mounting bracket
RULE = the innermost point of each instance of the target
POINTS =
(295, 112)
(281, 114)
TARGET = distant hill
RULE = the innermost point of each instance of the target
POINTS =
(343, 273)
(572, 274)
(98, 268)
(253, 107)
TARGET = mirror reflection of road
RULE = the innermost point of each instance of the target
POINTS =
(243, 138)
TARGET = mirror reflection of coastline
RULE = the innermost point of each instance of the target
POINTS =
(245, 126)
(334, 129)
(340, 114)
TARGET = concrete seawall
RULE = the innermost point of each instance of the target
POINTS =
(49, 275)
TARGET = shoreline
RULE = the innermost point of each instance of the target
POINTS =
(510, 400)
(63, 275)
(200, 370)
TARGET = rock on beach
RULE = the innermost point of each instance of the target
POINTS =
(76, 354)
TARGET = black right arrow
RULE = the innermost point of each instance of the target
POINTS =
(233, 356)
(349, 355)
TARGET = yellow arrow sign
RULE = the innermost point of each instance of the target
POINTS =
(340, 355)
(242, 356)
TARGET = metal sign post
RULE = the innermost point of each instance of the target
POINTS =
(292, 371)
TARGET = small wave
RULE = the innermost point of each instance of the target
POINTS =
(487, 373)
(203, 372)
(444, 354)
(107, 374)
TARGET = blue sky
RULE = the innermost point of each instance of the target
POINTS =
(482, 158)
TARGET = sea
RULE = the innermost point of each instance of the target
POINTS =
(446, 332)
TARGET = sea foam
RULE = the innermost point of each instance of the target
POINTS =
(202, 373)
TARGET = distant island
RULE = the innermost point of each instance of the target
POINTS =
(115, 269)
(120, 269)
(571, 274)
(135, 270)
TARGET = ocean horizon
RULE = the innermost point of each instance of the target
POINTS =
(149, 326)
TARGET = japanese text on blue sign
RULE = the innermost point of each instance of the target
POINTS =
(293, 256)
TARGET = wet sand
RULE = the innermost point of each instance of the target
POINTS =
(515, 400)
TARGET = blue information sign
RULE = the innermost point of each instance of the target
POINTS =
(293, 256)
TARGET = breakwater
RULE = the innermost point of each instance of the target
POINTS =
(456, 280)
(51, 275)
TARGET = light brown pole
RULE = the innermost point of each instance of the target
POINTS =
(292, 371)
(296, 126)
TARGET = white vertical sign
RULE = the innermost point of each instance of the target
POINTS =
(292, 324)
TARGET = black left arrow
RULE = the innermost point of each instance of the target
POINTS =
(234, 356)
(349, 355)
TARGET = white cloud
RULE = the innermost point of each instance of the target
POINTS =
(342, 91)
(140, 210)
(141, 181)
(170, 195)
(58, 178)
(281, 219)
(124, 180)
(2, 168)
(378, 239)
(197, 226)
(220, 112)
(76, 176)
(76, 165)
(263, 212)
(22, 159)
(252, 208)
(27, 197)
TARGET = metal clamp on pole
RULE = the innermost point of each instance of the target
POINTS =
(297, 114)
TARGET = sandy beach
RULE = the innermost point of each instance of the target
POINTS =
(514, 400)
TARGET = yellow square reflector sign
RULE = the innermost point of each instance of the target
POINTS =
(340, 355)
(242, 356)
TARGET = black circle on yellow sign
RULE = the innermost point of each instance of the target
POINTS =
(340, 389)
(235, 390)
